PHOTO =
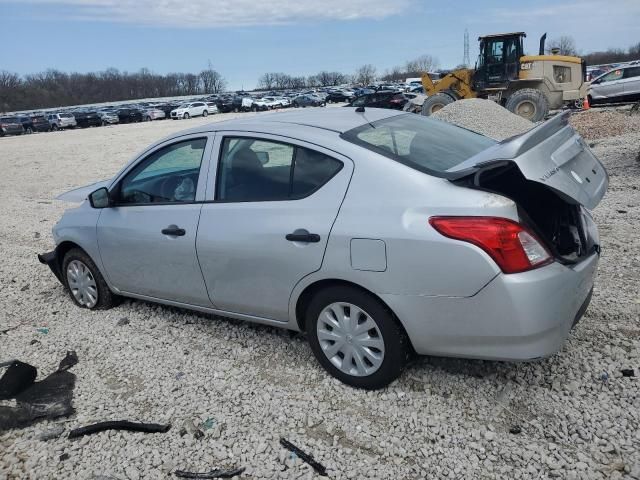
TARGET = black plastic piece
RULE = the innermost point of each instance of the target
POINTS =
(119, 425)
(51, 259)
(217, 473)
(321, 469)
(18, 377)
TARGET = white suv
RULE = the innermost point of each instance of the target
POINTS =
(188, 110)
(61, 120)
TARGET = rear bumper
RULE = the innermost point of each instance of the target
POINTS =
(51, 259)
(515, 317)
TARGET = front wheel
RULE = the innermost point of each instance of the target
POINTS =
(205, 113)
(84, 281)
(355, 337)
(29, 130)
(185, 116)
(54, 127)
(436, 102)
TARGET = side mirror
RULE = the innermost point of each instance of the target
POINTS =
(100, 198)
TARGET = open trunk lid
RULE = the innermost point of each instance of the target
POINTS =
(552, 154)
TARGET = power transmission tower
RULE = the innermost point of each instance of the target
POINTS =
(465, 60)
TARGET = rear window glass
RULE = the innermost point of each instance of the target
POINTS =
(426, 144)
(9, 120)
(65, 115)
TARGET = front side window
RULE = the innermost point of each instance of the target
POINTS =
(263, 170)
(168, 175)
(611, 76)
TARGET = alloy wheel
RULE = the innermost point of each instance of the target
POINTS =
(350, 339)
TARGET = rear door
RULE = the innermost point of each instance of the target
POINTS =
(273, 204)
(631, 81)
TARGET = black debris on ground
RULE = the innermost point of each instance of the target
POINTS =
(217, 473)
(304, 457)
(119, 425)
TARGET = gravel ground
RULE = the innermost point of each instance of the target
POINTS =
(246, 385)
(485, 117)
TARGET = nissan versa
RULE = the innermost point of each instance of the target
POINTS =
(378, 233)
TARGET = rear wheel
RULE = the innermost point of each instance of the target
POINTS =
(528, 103)
(356, 338)
(436, 102)
(205, 113)
(85, 282)
(29, 130)
(54, 127)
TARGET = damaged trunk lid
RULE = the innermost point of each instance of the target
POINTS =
(552, 154)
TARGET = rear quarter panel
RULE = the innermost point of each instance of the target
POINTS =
(391, 202)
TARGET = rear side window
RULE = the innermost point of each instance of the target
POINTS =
(253, 170)
(422, 143)
(632, 72)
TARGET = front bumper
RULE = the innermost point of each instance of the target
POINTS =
(519, 316)
(51, 259)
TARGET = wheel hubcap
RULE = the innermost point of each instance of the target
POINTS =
(350, 339)
(526, 109)
(82, 284)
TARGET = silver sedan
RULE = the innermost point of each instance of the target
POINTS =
(380, 234)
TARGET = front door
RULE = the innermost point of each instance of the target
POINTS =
(147, 238)
(275, 203)
(608, 86)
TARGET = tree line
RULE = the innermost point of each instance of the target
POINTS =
(54, 88)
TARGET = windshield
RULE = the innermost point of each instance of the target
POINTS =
(423, 143)
(9, 120)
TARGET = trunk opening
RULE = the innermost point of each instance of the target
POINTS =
(560, 224)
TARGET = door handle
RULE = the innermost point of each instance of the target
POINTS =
(174, 231)
(302, 235)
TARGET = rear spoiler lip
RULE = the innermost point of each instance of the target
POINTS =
(510, 148)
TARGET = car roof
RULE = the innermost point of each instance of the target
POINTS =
(339, 120)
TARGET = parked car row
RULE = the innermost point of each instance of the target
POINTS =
(380, 96)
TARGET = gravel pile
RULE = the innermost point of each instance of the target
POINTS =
(485, 117)
(605, 122)
(572, 416)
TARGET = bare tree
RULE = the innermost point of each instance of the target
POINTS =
(212, 81)
(565, 45)
(420, 65)
(267, 81)
(365, 74)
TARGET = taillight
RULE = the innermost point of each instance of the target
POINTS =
(512, 246)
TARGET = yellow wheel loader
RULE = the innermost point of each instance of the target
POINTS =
(527, 85)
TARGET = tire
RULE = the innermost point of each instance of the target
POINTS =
(100, 297)
(54, 127)
(295, 105)
(147, 119)
(29, 130)
(205, 113)
(528, 103)
(185, 116)
(385, 332)
(435, 102)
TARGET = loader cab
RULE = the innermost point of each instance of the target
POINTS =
(499, 60)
